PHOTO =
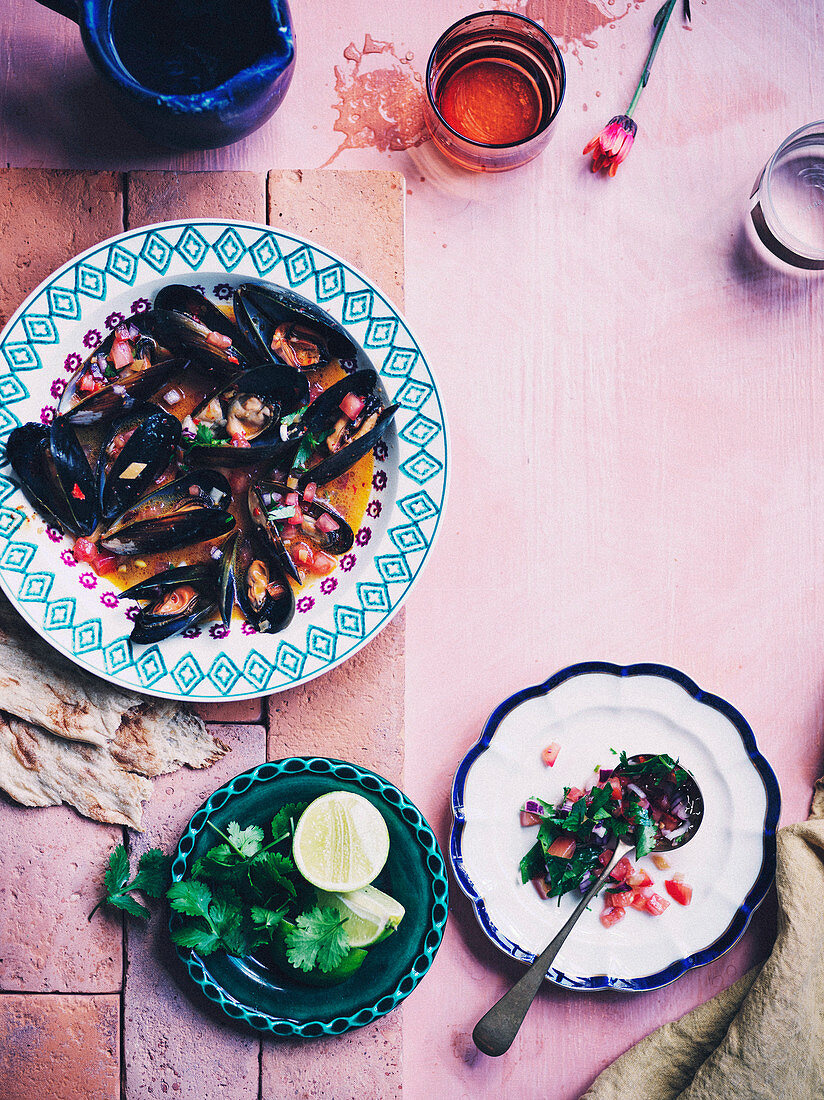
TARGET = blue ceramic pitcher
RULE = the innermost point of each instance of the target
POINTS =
(193, 74)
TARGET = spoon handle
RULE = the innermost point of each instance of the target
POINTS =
(496, 1030)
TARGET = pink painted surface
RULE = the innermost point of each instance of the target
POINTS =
(634, 406)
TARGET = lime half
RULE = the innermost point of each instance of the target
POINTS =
(341, 842)
(370, 915)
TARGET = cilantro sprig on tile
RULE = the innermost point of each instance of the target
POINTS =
(150, 879)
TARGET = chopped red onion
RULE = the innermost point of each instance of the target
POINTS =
(533, 807)
(636, 790)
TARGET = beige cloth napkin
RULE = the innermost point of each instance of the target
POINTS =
(763, 1038)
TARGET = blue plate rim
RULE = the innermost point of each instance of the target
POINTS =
(755, 895)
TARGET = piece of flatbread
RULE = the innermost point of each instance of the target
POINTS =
(67, 737)
(39, 769)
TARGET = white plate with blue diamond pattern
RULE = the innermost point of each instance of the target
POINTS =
(78, 612)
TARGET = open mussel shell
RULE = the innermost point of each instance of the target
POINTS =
(338, 463)
(226, 579)
(272, 494)
(324, 419)
(262, 588)
(187, 322)
(253, 402)
(28, 453)
(260, 518)
(146, 453)
(194, 508)
(132, 384)
(289, 328)
(177, 599)
(75, 475)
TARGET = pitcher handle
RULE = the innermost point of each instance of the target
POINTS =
(62, 7)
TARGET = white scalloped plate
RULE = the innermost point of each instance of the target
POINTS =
(590, 709)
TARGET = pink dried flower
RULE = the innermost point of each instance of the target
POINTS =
(612, 144)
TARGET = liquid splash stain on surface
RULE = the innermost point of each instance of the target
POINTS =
(574, 22)
(380, 99)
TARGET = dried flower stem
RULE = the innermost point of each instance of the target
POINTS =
(662, 17)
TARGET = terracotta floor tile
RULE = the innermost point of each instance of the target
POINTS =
(354, 712)
(62, 1046)
(51, 873)
(175, 1041)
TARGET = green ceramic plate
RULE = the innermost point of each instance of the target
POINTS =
(414, 874)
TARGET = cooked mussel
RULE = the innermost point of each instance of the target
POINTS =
(262, 588)
(289, 328)
(74, 473)
(55, 474)
(140, 446)
(241, 423)
(192, 509)
(343, 423)
(122, 371)
(193, 326)
(177, 599)
(300, 519)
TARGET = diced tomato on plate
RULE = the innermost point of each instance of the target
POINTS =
(679, 891)
(612, 916)
(639, 877)
(622, 869)
(656, 904)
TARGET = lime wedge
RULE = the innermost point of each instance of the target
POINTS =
(370, 914)
(341, 842)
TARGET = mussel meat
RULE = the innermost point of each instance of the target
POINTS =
(125, 369)
(299, 518)
(193, 326)
(241, 423)
(177, 599)
(191, 509)
(262, 589)
(289, 328)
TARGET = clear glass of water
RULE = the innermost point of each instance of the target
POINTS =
(786, 215)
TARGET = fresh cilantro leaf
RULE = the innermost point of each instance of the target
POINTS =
(117, 873)
(127, 902)
(267, 918)
(284, 821)
(645, 833)
(190, 897)
(271, 871)
(197, 938)
(221, 853)
(152, 873)
(204, 436)
(249, 841)
(533, 865)
(150, 878)
(318, 939)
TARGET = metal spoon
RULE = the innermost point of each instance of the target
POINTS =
(496, 1030)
